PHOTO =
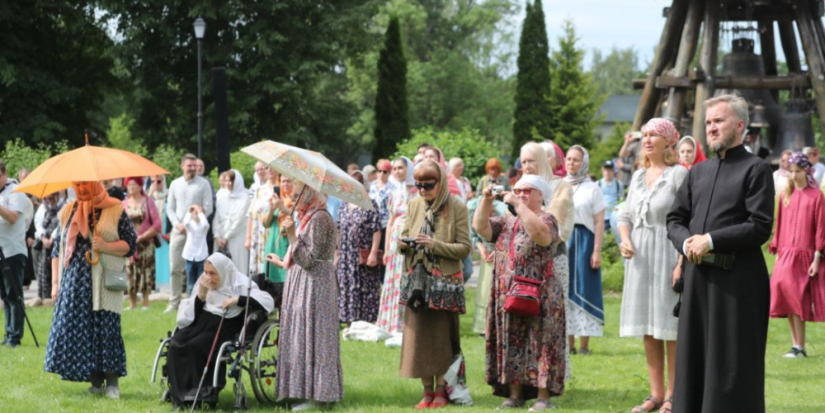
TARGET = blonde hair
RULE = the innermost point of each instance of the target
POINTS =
(540, 155)
(670, 158)
(786, 194)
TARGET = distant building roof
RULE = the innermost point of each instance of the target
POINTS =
(620, 108)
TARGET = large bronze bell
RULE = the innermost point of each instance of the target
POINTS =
(795, 130)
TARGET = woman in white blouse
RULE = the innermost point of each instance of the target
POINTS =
(585, 317)
(229, 225)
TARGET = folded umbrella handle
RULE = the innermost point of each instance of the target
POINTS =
(91, 259)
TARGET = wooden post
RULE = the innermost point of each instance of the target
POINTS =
(672, 30)
(813, 54)
(766, 39)
(687, 48)
(707, 60)
(788, 38)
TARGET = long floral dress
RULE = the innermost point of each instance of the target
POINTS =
(83, 341)
(140, 268)
(257, 210)
(360, 285)
(525, 350)
(391, 313)
(309, 359)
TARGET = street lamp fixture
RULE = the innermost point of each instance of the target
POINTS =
(200, 30)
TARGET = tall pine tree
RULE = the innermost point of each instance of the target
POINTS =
(532, 114)
(573, 98)
(392, 123)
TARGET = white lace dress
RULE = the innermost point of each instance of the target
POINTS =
(648, 297)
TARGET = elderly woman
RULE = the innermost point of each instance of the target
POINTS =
(555, 157)
(525, 355)
(146, 221)
(648, 297)
(359, 267)
(309, 359)
(85, 343)
(231, 204)
(217, 308)
(433, 288)
(493, 177)
(585, 316)
(390, 312)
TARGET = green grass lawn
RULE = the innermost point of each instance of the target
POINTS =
(613, 379)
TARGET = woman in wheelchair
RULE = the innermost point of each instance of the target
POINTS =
(221, 289)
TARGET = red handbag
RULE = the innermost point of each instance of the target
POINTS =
(524, 297)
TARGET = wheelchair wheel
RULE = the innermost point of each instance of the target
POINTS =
(264, 364)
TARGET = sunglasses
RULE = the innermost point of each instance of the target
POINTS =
(525, 191)
(425, 187)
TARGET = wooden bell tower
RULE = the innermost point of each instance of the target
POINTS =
(671, 76)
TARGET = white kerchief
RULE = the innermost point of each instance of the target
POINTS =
(536, 182)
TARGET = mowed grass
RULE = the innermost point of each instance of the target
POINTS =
(613, 379)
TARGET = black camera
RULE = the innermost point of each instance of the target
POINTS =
(408, 241)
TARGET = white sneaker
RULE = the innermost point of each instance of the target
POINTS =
(303, 406)
(112, 392)
(169, 309)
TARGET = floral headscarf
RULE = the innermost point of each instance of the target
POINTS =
(664, 128)
(801, 160)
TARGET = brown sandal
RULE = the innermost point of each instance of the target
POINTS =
(641, 408)
(664, 409)
(510, 404)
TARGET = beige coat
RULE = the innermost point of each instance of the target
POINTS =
(452, 232)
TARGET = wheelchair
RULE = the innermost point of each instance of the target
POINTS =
(259, 359)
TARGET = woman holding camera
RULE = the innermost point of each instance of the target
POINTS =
(652, 267)
(525, 354)
(434, 240)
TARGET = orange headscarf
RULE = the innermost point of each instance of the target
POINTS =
(99, 199)
(286, 196)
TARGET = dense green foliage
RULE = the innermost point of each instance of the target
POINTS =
(608, 149)
(18, 155)
(613, 74)
(532, 114)
(56, 69)
(392, 124)
(466, 144)
(573, 100)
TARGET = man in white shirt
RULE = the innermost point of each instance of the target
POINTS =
(16, 214)
(188, 190)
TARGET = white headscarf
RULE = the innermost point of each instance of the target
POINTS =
(536, 182)
(225, 206)
(581, 175)
(232, 284)
(410, 180)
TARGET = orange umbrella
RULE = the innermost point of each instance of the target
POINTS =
(88, 163)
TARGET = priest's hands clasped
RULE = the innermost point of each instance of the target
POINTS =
(697, 247)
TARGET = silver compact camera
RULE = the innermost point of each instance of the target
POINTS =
(498, 189)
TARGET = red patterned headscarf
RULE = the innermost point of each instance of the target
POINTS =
(799, 159)
(664, 128)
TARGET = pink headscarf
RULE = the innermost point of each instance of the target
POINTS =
(452, 184)
(664, 128)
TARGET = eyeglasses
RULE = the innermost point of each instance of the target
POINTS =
(525, 191)
(383, 172)
(425, 186)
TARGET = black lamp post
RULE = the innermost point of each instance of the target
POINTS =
(200, 30)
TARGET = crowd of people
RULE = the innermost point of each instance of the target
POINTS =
(690, 229)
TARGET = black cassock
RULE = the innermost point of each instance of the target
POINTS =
(723, 324)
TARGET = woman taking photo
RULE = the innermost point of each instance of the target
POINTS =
(231, 205)
(390, 312)
(256, 232)
(146, 223)
(433, 287)
(525, 355)
(277, 243)
(309, 359)
(85, 342)
(219, 302)
(585, 316)
(653, 265)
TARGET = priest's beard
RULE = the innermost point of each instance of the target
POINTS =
(724, 143)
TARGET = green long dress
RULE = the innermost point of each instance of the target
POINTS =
(276, 244)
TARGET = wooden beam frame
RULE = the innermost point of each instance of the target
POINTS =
(687, 48)
(813, 54)
(728, 82)
(707, 60)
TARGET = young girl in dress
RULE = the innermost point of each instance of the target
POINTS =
(798, 281)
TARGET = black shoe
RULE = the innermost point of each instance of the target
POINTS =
(795, 353)
(11, 344)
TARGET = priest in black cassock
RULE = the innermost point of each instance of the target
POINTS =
(721, 216)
